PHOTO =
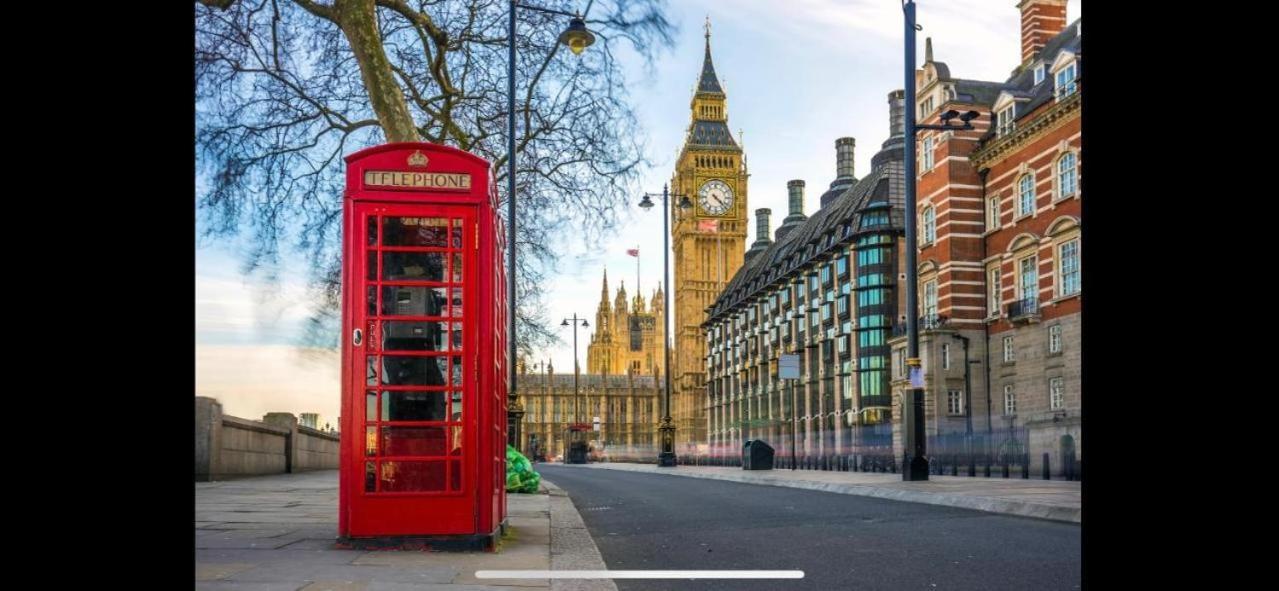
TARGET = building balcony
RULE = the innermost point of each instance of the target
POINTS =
(1026, 311)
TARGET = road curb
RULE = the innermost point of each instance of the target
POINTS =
(572, 547)
(977, 503)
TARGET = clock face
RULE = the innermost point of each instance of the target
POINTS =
(716, 197)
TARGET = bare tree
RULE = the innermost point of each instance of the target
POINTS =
(285, 88)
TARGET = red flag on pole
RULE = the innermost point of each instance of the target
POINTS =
(633, 252)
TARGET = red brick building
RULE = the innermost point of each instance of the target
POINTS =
(999, 252)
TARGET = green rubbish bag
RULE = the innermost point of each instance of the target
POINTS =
(520, 477)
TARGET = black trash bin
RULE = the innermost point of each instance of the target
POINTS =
(576, 453)
(757, 455)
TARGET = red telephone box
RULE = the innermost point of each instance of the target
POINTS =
(423, 455)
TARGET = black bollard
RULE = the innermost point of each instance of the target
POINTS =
(972, 466)
(954, 468)
(1047, 472)
(1006, 472)
(1025, 466)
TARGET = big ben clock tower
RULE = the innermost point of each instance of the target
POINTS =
(709, 240)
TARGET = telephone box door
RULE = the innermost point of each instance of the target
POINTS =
(415, 340)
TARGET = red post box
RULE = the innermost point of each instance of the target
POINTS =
(423, 458)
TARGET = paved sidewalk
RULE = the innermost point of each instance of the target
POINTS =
(1054, 500)
(278, 532)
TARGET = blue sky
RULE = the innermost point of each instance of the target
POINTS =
(798, 74)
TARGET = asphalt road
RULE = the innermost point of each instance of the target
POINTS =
(648, 521)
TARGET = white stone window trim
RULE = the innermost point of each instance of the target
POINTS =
(1056, 173)
(955, 403)
(996, 226)
(1057, 399)
(1018, 214)
(1061, 340)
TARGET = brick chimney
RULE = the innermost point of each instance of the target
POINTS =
(1041, 20)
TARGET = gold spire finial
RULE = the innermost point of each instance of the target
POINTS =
(708, 28)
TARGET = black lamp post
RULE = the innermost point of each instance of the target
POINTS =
(667, 430)
(918, 468)
(577, 38)
(571, 457)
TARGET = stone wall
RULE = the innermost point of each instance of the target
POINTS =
(230, 447)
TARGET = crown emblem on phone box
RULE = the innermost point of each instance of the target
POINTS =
(418, 159)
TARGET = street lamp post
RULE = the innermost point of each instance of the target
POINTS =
(918, 468)
(577, 38)
(666, 431)
(577, 417)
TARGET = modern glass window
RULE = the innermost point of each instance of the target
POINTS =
(930, 225)
(1066, 82)
(1004, 123)
(945, 356)
(1010, 400)
(1010, 354)
(930, 300)
(954, 402)
(1056, 397)
(1066, 175)
(927, 155)
(1028, 281)
(1054, 338)
(1068, 256)
(1026, 195)
(994, 292)
(992, 213)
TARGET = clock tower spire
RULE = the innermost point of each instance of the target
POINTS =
(708, 240)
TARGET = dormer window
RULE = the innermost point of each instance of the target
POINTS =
(1004, 123)
(926, 108)
(1065, 70)
(1039, 73)
(1066, 82)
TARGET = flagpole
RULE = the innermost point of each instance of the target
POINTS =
(637, 272)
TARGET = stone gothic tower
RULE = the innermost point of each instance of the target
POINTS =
(708, 239)
(628, 337)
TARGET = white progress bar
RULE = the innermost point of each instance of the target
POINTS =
(639, 574)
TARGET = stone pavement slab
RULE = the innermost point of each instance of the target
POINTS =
(278, 533)
(1054, 500)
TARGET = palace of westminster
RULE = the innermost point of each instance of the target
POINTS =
(999, 214)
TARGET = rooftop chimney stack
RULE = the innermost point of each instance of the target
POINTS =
(1041, 20)
(762, 237)
(844, 157)
(796, 190)
(796, 217)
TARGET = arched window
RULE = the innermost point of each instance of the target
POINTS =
(1026, 195)
(930, 225)
(1066, 175)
